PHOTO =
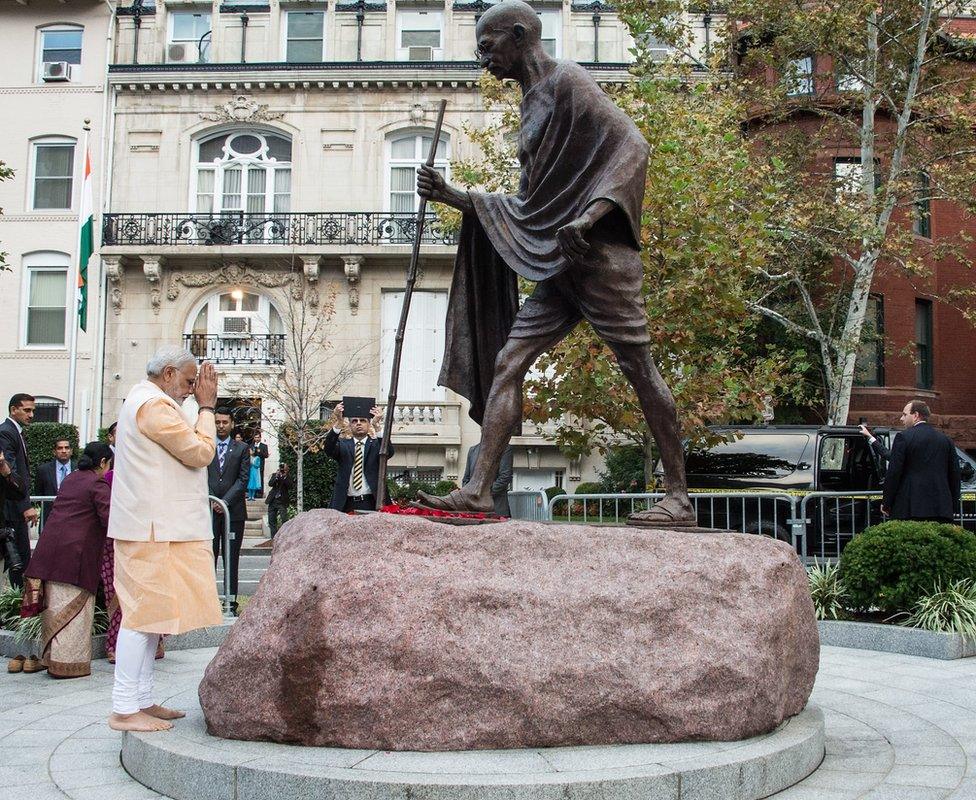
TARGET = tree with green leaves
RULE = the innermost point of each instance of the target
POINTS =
(866, 113)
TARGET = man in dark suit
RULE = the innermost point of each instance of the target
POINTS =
(47, 483)
(279, 497)
(359, 462)
(259, 448)
(227, 478)
(19, 513)
(499, 487)
(922, 482)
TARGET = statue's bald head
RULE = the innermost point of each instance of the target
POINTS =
(506, 15)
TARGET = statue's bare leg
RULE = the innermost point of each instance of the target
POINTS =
(503, 412)
(657, 403)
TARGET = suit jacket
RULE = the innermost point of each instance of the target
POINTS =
(499, 487)
(280, 494)
(15, 452)
(11, 488)
(46, 480)
(260, 450)
(880, 450)
(344, 451)
(71, 545)
(231, 484)
(922, 480)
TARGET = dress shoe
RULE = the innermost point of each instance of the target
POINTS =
(32, 664)
(16, 664)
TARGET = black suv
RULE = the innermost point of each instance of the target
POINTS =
(796, 460)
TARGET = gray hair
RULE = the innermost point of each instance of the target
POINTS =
(169, 355)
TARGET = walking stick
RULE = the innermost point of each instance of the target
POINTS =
(402, 326)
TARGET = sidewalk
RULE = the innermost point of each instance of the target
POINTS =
(898, 728)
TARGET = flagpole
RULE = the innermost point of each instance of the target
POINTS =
(76, 294)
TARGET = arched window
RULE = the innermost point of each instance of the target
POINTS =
(405, 153)
(245, 171)
(53, 168)
(59, 53)
(238, 327)
(45, 303)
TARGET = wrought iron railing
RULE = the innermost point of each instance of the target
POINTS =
(264, 348)
(296, 228)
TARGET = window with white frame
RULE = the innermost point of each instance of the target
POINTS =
(59, 53)
(245, 171)
(419, 35)
(551, 28)
(848, 178)
(305, 36)
(189, 39)
(406, 152)
(798, 76)
(45, 299)
(53, 163)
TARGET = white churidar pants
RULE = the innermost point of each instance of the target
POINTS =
(135, 657)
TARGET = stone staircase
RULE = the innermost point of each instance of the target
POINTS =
(254, 559)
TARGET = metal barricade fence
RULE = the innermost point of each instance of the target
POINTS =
(225, 597)
(769, 513)
(528, 505)
(832, 519)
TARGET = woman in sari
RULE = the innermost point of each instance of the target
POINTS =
(67, 562)
(254, 478)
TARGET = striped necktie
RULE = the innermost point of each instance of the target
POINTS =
(221, 453)
(357, 468)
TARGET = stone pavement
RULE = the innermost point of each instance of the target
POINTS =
(898, 728)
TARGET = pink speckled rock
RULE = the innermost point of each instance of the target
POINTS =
(397, 633)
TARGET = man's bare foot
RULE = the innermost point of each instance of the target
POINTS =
(458, 500)
(161, 712)
(674, 511)
(139, 721)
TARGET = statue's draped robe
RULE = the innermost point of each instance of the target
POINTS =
(575, 147)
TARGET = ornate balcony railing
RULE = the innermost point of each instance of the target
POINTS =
(294, 229)
(257, 349)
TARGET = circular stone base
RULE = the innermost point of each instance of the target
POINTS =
(189, 764)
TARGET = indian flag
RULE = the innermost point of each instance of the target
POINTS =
(86, 223)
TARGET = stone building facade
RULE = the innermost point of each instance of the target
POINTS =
(256, 152)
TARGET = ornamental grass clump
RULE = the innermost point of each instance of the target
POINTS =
(827, 590)
(947, 610)
(891, 566)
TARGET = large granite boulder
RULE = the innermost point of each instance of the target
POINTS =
(398, 633)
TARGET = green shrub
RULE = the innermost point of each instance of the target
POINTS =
(827, 590)
(10, 599)
(555, 491)
(41, 438)
(588, 487)
(623, 470)
(890, 566)
(407, 492)
(948, 610)
(318, 471)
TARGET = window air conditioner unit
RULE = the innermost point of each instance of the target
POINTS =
(238, 327)
(420, 53)
(179, 53)
(56, 71)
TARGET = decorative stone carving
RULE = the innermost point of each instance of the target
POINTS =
(234, 273)
(417, 114)
(152, 268)
(241, 109)
(352, 266)
(311, 268)
(115, 273)
(451, 462)
(575, 468)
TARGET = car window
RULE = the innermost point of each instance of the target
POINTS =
(834, 453)
(752, 456)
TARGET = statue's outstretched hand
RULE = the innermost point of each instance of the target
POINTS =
(430, 183)
(572, 238)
